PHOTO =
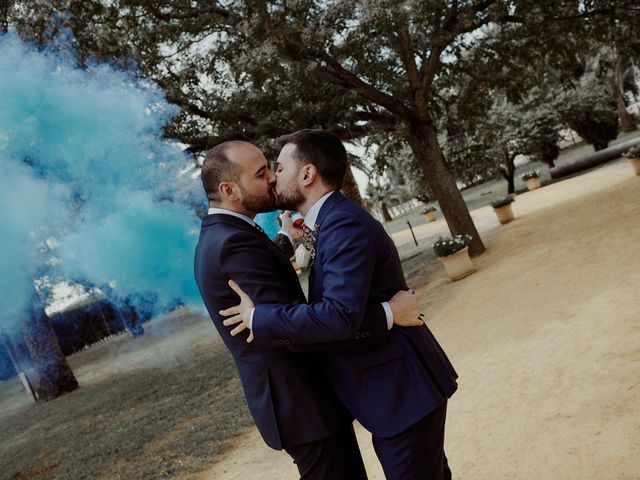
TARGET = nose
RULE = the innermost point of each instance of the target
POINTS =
(271, 176)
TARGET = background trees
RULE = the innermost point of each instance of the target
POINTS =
(259, 69)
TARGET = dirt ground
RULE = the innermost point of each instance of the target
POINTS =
(545, 337)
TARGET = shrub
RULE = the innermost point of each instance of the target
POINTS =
(530, 175)
(443, 247)
(633, 152)
(503, 202)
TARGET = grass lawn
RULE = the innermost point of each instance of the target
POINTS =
(158, 418)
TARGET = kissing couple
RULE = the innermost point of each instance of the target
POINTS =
(356, 348)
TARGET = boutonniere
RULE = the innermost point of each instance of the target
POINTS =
(306, 251)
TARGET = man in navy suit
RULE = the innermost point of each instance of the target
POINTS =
(289, 397)
(398, 390)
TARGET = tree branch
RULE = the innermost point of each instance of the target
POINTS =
(365, 89)
(180, 100)
(157, 12)
(351, 132)
(406, 50)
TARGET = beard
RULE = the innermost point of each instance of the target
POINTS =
(258, 203)
(290, 198)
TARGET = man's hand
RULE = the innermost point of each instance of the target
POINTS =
(405, 306)
(287, 226)
(239, 314)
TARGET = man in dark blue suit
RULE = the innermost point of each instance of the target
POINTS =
(398, 390)
(289, 397)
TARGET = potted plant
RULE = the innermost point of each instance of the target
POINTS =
(503, 210)
(429, 214)
(532, 179)
(454, 255)
(633, 154)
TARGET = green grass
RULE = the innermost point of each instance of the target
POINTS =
(141, 424)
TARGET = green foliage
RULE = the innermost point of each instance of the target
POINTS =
(589, 109)
(633, 152)
(394, 175)
(443, 247)
(530, 175)
(503, 202)
(364, 68)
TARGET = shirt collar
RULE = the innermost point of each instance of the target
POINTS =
(314, 211)
(224, 211)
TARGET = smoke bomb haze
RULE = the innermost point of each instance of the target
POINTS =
(84, 169)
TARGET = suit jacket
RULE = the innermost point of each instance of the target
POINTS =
(389, 387)
(287, 393)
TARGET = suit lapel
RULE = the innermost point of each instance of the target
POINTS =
(330, 203)
(334, 199)
(217, 218)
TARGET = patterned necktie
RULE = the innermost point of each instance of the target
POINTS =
(308, 235)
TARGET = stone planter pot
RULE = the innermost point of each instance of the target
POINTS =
(635, 163)
(458, 265)
(504, 214)
(430, 216)
(533, 183)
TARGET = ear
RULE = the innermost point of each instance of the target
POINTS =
(309, 174)
(228, 191)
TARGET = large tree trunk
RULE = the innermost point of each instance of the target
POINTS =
(626, 121)
(509, 170)
(424, 144)
(622, 67)
(386, 216)
(350, 188)
(53, 376)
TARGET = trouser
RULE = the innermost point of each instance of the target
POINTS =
(417, 453)
(336, 457)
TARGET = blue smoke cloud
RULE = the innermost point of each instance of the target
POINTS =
(85, 169)
(269, 223)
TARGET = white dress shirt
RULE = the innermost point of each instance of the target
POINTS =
(312, 215)
(224, 211)
(244, 217)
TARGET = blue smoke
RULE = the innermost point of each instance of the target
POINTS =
(269, 223)
(86, 178)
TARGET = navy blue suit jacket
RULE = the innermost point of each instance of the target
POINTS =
(288, 395)
(389, 387)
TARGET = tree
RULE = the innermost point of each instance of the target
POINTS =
(624, 80)
(353, 68)
(590, 110)
(5, 7)
(53, 376)
(258, 69)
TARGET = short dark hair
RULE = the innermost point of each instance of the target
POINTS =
(217, 168)
(322, 149)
